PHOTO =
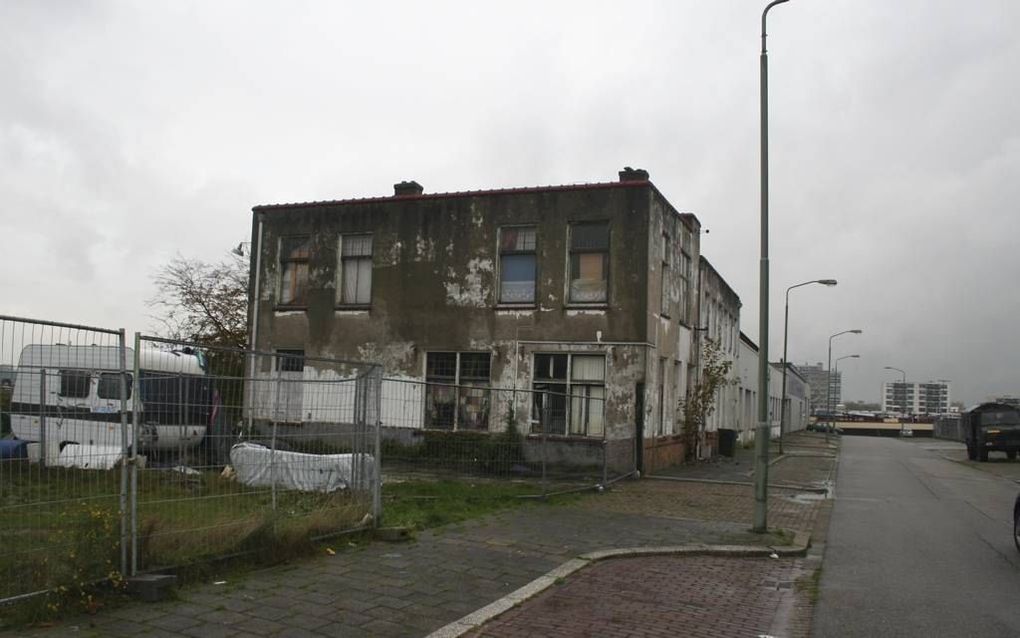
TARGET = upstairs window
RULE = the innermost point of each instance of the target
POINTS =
(517, 265)
(589, 263)
(294, 253)
(664, 279)
(685, 275)
(356, 270)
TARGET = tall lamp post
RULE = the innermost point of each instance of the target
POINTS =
(786, 331)
(828, 388)
(761, 439)
(838, 359)
(903, 388)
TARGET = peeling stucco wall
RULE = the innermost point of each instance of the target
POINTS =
(435, 285)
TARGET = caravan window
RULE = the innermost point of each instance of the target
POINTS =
(170, 399)
(74, 384)
(109, 385)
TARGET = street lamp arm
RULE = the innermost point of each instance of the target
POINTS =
(763, 14)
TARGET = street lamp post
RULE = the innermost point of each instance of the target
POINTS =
(828, 388)
(786, 331)
(761, 439)
(903, 388)
(849, 356)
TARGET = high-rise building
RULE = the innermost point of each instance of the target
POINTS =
(817, 376)
(929, 398)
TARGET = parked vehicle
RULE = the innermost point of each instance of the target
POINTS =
(1016, 522)
(81, 399)
(989, 427)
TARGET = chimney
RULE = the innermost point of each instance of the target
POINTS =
(629, 174)
(405, 189)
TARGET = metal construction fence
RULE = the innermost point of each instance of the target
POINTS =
(547, 439)
(117, 459)
(61, 521)
(948, 426)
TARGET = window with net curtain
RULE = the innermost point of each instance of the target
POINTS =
(589, 263)
(569, 403)
(587, 395)
(517, 265)
(356, 270)
(294, 253)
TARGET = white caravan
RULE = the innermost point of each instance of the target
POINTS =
(82, 406)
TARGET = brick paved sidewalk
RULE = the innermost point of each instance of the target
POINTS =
(414, 588)
(654, 597)
(806, 461)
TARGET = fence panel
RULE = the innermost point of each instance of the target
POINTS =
(64, 406)
(249, 451)
(536, 441)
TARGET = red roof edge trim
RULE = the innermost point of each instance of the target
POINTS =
(456, 194)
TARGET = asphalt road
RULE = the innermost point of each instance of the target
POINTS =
(918, 545)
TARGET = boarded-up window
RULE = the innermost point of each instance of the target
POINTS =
(294, 253)
(589, 263)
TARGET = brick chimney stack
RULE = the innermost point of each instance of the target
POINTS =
(404, 189)
(629, 174)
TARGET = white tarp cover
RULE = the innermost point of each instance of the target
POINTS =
(89, 457)
(254, 463)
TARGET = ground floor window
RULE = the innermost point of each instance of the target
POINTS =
(457, 390)
(569, 394)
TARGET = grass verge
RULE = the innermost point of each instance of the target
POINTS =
(60, 528)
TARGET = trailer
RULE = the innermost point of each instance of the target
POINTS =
(67, 399)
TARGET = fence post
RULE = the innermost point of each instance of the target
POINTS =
(377, 466)
(122, 347)
(545, 434)
(42, 418)
(605, 458)
(272, 453)
(133, 491)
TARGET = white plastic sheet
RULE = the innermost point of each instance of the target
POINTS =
(258, 466)
(89, 457)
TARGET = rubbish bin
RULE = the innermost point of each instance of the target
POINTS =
(727, 442)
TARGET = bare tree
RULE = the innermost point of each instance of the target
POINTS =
(203, 302)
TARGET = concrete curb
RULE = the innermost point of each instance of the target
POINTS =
(474, 620)
(778, 486)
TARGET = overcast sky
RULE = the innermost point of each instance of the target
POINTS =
(131, 131)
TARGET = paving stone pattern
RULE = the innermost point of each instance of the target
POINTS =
(413, 588)
(707, 596)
